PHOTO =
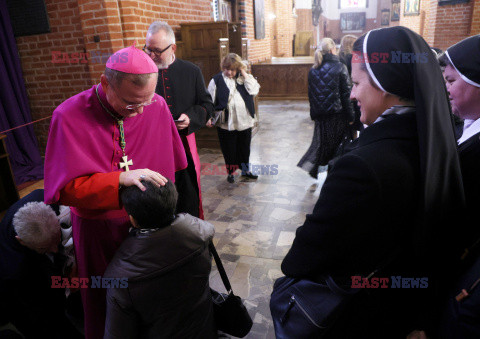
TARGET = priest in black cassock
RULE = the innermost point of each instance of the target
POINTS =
(182, 86)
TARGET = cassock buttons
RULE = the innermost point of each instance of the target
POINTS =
(116, 138)
(118, 152)
(115, 164)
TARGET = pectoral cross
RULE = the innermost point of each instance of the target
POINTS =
(126, 163)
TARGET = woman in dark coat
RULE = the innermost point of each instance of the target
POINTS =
(345, 55)
(386, 203)
(330, 107)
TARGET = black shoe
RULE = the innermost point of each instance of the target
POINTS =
(231, 178)
(249, 175)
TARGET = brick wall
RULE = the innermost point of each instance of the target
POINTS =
(47, 83)
(51, 77)
(453, 23)
(414, 22)
(259, 49)
(286, 28)
(475, 28)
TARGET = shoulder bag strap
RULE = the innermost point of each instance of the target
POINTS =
(220, 268)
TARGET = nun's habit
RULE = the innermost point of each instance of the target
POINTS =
(465, 58)
(388, 200)
(462, 317)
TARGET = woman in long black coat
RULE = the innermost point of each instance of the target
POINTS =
(330, 107)
(386, 202)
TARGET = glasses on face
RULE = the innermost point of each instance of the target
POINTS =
(136, 106)
(156, 52)
(133, 107)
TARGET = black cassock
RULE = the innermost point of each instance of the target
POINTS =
(183, 88)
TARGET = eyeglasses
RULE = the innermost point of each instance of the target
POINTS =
(132, 107)
(136, 106)
(155, 51)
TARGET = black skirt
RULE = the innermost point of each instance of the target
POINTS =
(328, 134)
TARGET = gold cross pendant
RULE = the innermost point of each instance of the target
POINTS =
(126, 163)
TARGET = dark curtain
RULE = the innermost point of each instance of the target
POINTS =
(22, 146)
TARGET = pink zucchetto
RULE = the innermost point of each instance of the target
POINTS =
(132, 60)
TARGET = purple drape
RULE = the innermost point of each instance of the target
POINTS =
(27, 164)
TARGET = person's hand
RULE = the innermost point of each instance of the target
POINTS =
(351, 122)
(209, 123)
(131, 178)
(243, 72)
(183, 124)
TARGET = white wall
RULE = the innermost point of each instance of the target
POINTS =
(332, 12)
(303, 4)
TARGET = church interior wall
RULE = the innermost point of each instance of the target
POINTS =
(475, 29)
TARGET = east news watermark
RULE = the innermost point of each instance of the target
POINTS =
(255, 169)
(92, 282)
(94, 57)
(389, 282)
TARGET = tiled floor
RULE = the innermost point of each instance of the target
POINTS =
(255, 221)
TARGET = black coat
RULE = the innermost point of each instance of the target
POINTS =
(365, 215)
(329, 89)
(183, 88)
(168, 294)
(462, 318)
(27, 298)
(469, 152)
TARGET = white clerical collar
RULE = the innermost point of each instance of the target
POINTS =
(173, 60)
(470, 128)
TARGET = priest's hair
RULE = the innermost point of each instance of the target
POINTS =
(162, 25)
(35, 223)
(152, 208)
(115, 77)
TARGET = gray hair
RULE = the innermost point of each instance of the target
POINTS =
(162, 25)
(115, 77)
(35, 223)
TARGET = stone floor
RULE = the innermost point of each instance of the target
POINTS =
(255, 221)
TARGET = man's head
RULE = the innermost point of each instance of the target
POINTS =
(37, 227)
(128, 93)
(160, 44)
(129, 81)
(154, 207)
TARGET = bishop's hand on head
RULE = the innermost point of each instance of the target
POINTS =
(131, 178)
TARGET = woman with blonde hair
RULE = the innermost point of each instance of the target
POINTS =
(232, 91)
(329, 89)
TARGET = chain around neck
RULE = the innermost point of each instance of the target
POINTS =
(118, 120)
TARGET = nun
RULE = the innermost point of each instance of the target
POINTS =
(387, 204)
(462, 76)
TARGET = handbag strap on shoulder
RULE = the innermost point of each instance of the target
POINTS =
(220, 268)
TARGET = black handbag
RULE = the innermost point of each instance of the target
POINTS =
(231, 316)
(303, 308)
